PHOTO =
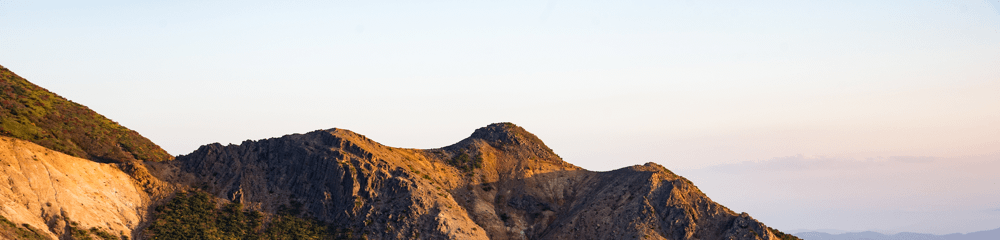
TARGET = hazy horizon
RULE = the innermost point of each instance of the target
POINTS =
(886, 195)
(890, 106)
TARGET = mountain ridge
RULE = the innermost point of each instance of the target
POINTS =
(979, 235)
(501, 182)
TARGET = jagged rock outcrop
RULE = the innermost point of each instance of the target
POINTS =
(500, 183)
(335, 176)
(56, 193)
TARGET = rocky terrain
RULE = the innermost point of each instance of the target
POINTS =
(74, 174)
(500, 183)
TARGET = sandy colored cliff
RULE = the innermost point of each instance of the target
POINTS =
(51, 191)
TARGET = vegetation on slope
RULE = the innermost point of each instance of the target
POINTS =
(9, 230)
(34, 114)
(77, 233)
(465, 163)
(195, 215)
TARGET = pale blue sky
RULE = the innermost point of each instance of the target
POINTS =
(606, 84)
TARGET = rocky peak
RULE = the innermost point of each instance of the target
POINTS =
(506, 134)
(510, 145)
(503, 133)
(654, 168)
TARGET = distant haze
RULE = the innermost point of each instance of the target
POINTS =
(730, 93)
(888, 195)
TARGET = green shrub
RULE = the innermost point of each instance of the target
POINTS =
(188, 216)
(194, 215)
(9, 230)
(103, 235)
(78, 234)
(287, 227)
(466, 163)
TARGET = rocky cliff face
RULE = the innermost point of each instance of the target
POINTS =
(500, 183)
(335, 176)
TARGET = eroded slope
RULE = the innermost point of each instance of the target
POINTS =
(56, 193)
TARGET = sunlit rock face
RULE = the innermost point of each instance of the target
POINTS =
(52, 191)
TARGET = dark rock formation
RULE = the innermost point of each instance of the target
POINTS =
(500, 183)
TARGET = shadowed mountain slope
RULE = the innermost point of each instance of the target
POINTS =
(32, 113)
(500, 183)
